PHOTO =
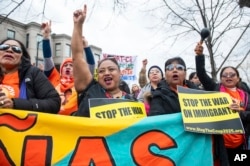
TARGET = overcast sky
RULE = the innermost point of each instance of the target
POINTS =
(128, 33)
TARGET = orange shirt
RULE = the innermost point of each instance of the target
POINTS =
(70, 105)
(54, 77)
(10, 85)
(233, 140)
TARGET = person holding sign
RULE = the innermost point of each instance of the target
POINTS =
(108, 71)
(165, 97)
(229, 81)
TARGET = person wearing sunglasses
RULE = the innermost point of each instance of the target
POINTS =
(229, 83)
(22, 85)
(164, 100)
(63, 79)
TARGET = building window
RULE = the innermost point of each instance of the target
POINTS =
(10, 34)
(39, 39)
(97, 58)
(27, 40)
(67, 50)
(58, 49)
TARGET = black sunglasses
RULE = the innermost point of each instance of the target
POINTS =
(178, 67)
(229, 75)
(16, 49)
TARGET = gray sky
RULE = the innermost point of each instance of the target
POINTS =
(127, 33)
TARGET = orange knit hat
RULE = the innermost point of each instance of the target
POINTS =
(65, 61)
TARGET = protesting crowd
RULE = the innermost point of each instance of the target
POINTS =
(67, 91)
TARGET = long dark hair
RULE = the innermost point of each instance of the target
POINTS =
(191, 76)
(1, 75)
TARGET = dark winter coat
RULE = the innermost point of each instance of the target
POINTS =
(164, 100)
(40, 96)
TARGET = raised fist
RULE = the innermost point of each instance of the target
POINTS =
(144, 62)
(198, 49)
(46, 29)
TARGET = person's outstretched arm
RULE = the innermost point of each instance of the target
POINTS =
(142, 75)
(47, 55)
(49, 67)
(207, 82)
(81, 72)
(89, 55)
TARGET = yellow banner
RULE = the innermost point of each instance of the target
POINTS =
(25, 133)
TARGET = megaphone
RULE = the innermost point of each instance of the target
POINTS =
(205, 32)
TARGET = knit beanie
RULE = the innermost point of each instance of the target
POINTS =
(152, 67)
(65, 61)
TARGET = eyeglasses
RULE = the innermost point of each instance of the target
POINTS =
(16, 49)
(228, 75)
(154, 71)
(178, 67)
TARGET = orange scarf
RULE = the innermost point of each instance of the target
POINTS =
(66, 83)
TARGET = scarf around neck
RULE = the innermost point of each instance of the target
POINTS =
(66, 83)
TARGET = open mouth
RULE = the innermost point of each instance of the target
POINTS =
(175, 77)
(67, 72)
(229, 81)
(108, 80)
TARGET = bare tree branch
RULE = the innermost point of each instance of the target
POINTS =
(238, 40)
(19, 4)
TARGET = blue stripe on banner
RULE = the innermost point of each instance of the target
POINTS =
(192, 148)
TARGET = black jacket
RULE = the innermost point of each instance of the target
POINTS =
(94, 90)
(41, 96)
(164, 100)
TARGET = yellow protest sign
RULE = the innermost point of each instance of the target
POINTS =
(104, 108)
(208, 112)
